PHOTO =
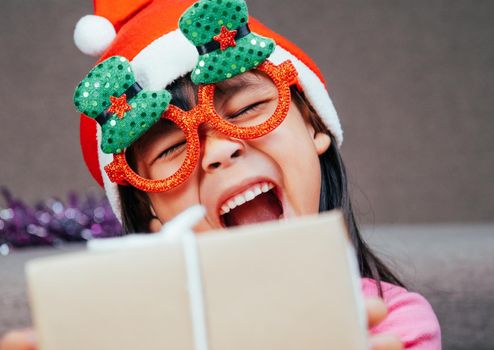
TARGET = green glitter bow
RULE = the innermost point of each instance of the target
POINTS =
(219, 30)
(111, 95)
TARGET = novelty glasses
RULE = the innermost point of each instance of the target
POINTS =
(247, 106)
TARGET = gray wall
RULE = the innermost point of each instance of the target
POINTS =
(412, 81)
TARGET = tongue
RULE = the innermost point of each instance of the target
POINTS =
(264, 207)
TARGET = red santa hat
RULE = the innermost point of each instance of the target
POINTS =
(146, 33)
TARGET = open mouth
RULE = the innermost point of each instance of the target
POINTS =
(259, 203)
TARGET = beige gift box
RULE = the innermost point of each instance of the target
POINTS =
(283, 285)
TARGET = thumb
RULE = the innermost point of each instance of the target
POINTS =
(19, 340)
(376, 311)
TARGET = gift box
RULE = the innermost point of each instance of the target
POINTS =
(287, 285)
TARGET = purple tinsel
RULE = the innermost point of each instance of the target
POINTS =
(53, 222)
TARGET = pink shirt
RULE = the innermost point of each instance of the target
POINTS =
(410, 316)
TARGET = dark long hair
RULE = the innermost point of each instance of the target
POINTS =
(335, 194)
(135, 204)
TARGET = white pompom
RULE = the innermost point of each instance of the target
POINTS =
(93, 34)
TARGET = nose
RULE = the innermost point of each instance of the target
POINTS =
(220, 151)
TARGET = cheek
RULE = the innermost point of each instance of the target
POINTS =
(303, 177)
(168, 204)
(292, 148)
(292, 142)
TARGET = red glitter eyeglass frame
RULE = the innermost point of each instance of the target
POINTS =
(283, 76)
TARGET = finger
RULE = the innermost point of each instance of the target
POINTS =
(376, 311)
(19, 340)
(385, 342)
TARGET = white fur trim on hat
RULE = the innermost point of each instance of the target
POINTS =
(314, 90)
(93, 34)
(164, 60)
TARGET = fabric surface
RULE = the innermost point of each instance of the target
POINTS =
(410, 316)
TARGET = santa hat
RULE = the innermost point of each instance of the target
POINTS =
(146, 32)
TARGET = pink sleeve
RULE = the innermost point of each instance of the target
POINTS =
(410, 317)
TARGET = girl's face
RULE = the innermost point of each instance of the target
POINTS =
(239, 181)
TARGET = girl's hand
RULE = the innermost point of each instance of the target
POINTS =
(19, 340)
(376, 312)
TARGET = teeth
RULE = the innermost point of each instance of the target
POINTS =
(225, 209)
(239, 200)
(266, 187)
(249, 195)
(246, 196)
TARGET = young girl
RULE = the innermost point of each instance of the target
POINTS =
(245, 127)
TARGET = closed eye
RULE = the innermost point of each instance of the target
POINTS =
(249, 109)
(170, 151)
